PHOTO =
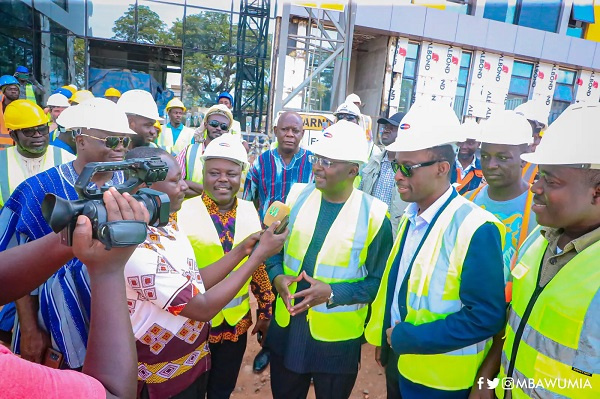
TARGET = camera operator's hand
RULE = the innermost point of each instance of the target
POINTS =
(92, 252)
(271, 243)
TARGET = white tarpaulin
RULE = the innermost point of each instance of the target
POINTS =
(543, 83)
(437, 78)
(490, 81)
(587, 87)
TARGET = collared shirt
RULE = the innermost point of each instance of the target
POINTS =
(417, 228)
(463, 172)
(555, 258)
(162, 278)
(385, 185)
(175, 130)
(64, 299)
(259, 284)
(270, 179)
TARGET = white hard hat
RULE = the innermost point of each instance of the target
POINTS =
(572, 139)
(96, 113)
(426, 125)
(470, 129)
(227, 146)
(534, 111)
(505, 127)
(353, 98)
(348, 108)
(58, 100)
(139, 102)
(343, 141)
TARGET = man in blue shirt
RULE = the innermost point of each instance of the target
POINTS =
(441, 298)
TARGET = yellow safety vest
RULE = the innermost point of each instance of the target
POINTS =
(193, 164)
(341, 259)
(434, 293)
(165, 139)
(557, 351)
(29, 93)
(12, 173)
(195, 221)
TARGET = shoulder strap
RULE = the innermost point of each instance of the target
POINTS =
(4, 186)
(192, 153)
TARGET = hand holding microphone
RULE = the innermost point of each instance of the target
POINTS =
(270, 241)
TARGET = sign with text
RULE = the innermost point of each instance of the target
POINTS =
(490, 81)
(439, 65)
(587, 87)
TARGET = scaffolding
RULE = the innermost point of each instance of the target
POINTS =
(250, 84)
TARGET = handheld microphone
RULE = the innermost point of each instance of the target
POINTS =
(278, 211)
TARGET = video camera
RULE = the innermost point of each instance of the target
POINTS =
(62, 214)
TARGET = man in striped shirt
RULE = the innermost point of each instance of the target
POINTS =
(274, 172)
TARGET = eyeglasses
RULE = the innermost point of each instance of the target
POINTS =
(111, 142)
(223, 126)
(30, 131)
(348, 117)
(406, 170)
(324, 162)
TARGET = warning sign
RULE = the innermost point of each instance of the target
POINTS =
(314, 124)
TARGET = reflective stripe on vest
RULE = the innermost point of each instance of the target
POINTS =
(434, 293)
(195, 221)
(341, 258)
(12, 173)
(193, 165)
(560, 339)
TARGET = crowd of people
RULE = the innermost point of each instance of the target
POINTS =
(465, 253)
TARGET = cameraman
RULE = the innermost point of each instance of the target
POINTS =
(29, 85)
(171, 301)
(110, 367)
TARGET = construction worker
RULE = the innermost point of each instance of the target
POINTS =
(112, 94)
(537, 115)
(551, 347)
(57, 314)
(227, 100)
(81, 96)
(349, 112)
(217, 122)
(9, 92)
(378, 176)
(175, 135)
(467, 175)
(216, 223)
(56, 104)
(71, 88)
(64, 91)
(365, 121)
(441, 299)
(28, 127)
(328, 273)
(157, 130)
(29, 85)
(142, 113)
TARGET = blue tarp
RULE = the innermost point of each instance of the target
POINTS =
(102, 79)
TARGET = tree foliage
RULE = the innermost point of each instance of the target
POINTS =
(150, 28)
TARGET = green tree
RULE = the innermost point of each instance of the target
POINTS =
(150, 28)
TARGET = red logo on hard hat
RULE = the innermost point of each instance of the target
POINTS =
(224, 144)
(404, 126)
(435, 57)
(455, 60)
(595, 85)
(541, 75)
(504, 69)
(579, 82)
(486, 66)
(328, 135)
(402, 51)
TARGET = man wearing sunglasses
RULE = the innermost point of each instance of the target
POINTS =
(142, 113)
(57, 314)
(441, 299)
(328, 273)
(348, 112)
(217, 121)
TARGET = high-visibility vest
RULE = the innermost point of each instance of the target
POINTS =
(341, 258)
(165, 139)
(12, 173)
(530, 172)
(434, 293)
(552, 346)
(29, 93)
(193, 164)
(195, 221)
(5, 139)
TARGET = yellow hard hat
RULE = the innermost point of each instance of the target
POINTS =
(21, 114)
(175, 103)
(71, 88)
(81, 96)
(112, 92)
(158, 126)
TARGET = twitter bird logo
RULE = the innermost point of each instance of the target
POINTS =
(492, 384)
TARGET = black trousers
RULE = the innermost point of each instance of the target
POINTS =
(194, 391)
(226, 360)
(285, 384)
(391, 376)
